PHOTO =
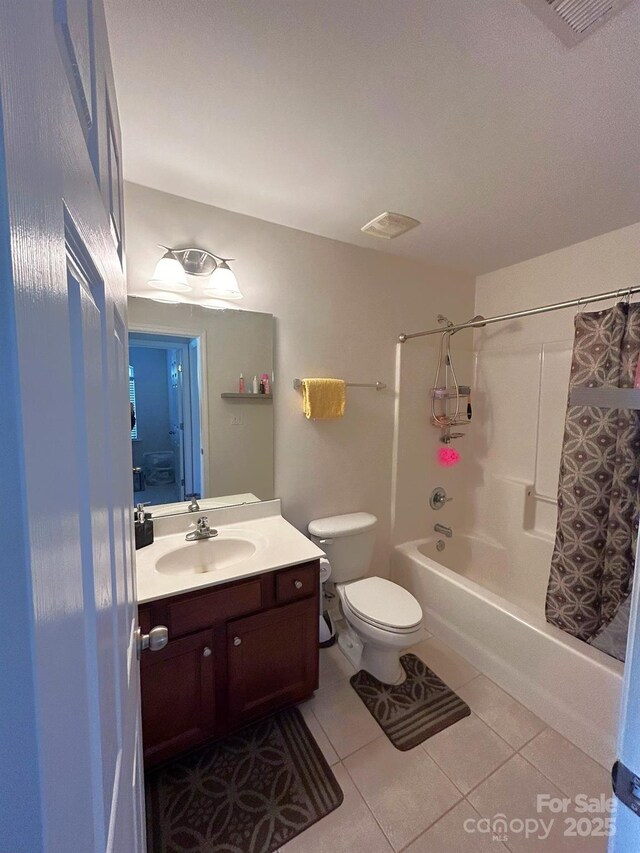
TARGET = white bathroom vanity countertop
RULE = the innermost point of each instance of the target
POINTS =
(279, 545)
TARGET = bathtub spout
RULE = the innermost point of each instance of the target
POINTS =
(444, 530)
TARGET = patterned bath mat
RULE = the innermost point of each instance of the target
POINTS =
(249, 793)
(413, 711)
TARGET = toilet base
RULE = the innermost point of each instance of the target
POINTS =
(382, 663)
(350, 646)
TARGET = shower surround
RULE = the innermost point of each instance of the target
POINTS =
(505, 487)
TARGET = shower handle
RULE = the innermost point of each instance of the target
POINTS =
(438, 498)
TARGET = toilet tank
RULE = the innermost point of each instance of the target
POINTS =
(348, 542)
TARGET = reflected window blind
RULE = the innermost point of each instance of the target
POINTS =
(132, 399)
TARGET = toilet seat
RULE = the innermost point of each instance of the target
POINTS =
(383, 604)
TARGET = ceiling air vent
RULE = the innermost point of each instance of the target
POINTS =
(574, 20)
(389, 225)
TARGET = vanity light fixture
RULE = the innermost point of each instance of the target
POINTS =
(170, 275)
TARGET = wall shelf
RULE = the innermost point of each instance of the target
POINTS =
(238, 396)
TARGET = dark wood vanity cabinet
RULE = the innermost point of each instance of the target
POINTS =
(272, 660)
(178, 699)
(236, 652)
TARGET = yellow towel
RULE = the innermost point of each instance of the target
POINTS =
(323, 398)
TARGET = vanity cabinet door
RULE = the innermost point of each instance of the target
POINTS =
(272, 660)
(178, 705)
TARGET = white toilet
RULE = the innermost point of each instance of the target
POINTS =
(383, 618)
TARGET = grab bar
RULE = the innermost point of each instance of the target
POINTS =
(545, 499)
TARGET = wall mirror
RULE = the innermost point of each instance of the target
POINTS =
(195, 435)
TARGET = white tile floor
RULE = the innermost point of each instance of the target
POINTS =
(497, 761)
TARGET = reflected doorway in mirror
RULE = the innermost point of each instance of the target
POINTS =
(167, 439)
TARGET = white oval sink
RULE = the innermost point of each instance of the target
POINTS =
(208, 555)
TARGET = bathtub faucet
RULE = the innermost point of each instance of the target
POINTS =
(444, 530)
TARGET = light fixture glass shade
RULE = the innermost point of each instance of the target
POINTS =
(169, 275)
(223, 283)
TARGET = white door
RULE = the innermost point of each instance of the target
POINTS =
(70, 758)
(626, 837)
(176, 417)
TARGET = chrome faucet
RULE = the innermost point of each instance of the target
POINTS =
(444, 530)
(194, 506)
(202, 531)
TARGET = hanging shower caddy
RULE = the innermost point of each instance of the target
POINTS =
(451, 406)
(450, 402)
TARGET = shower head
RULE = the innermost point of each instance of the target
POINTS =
(475, 319)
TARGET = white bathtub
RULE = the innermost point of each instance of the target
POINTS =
(464, 592)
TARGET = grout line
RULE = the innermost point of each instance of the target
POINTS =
(432, 824)
(333, 745)
(502, 845)
(363, 746)
(311, 711)
(441, 768)
(526, 743)
(362, 797)
(513, 748)
(496, 732)
(537, 769)
(495, 770)
(607, 770)
(349, 754)
(443, 815)
(484, 778)
(323, 730)
(464, 683)
(555, 784)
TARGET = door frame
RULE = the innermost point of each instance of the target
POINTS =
(203, 402)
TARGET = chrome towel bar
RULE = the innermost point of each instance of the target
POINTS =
(379, 386)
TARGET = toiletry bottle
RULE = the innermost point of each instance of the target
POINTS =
(143, 527)
(241, 386)
(261, 387)
(266, 383)
(256, 387)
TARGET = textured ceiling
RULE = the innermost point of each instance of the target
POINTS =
(320, 114)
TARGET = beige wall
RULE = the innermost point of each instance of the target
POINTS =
(521, 380)
(338, 310)
(238, 458)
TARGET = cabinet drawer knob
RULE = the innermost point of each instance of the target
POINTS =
(237, 641)
(297, 584)
(206, 653)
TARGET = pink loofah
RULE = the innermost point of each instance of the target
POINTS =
(448, 456)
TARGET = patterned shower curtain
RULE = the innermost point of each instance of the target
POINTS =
(598, 496)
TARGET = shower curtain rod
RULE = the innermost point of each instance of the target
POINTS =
(543, 309)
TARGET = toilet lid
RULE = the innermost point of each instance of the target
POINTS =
(383, 603)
